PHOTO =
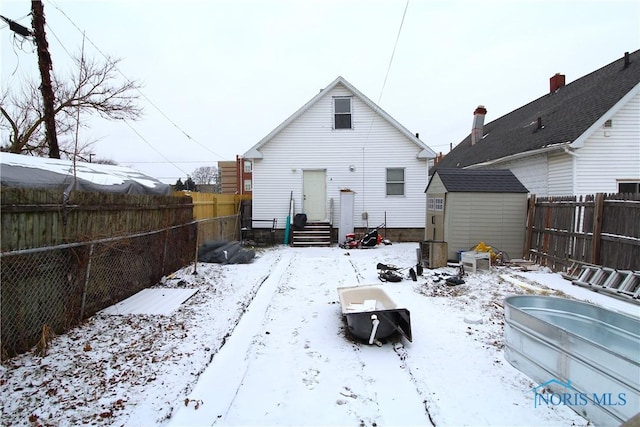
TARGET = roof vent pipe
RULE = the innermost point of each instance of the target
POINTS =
(626, 60)
(478, 124)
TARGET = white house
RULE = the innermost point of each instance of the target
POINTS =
(580, 138)
(343, 161)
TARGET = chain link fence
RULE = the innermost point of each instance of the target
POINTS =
(46, 291)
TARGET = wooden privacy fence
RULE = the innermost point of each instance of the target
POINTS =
(64, 258)
(34, 218)
(212, 205)
(596, 229)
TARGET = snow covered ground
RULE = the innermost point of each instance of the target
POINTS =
(265, 344)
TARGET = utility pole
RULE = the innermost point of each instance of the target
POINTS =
(45, 65)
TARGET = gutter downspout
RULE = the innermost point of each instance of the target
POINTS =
(574, 167)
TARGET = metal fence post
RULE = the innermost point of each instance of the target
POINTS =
(195, 261)
(86, 284)
(164, 251)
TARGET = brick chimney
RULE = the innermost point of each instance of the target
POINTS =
(438, 158)
(478, 124)
(556, 82)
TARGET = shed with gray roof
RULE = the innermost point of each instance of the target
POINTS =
(469, 206)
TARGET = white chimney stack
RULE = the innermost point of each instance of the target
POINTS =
(478, 124)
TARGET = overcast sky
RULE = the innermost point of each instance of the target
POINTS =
(226, 73)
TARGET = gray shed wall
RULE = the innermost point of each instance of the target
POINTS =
(497, 219)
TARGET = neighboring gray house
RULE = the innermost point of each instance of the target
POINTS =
(345, 162)
(469, 206)
(580, 138)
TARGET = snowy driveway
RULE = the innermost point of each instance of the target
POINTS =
(289, 361)
(265, 344)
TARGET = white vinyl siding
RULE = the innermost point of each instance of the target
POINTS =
(309, 142)
(604, 160)
(560, 174)
(532, 172)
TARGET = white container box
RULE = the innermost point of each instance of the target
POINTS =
(473, 261)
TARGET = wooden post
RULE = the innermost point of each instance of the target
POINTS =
(546, 236)
(45, 65)
(529, 232)
(597, 228)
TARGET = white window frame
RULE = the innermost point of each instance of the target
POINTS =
(435, 204)
(394, 183)
(247, 166)
(247, 185)
(350, 113)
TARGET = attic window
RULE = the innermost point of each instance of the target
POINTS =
(342, 113)
(608, 124)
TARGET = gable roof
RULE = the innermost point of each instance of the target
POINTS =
(426, 153)
(568, 116)
(479, 181)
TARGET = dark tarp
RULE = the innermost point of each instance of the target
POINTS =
(23, 171)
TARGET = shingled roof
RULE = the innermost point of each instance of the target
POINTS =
(479, 181)
(564, 115)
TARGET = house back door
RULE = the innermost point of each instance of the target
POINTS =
(315, 195)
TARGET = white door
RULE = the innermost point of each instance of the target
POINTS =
(346, 214)
(314, 188)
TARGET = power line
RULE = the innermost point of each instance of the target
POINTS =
(139, 91)
(384, 83)
(158, 162)
(152, 147)
(59, 41)
(394, 51)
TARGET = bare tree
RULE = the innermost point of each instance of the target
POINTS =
(94, 90)
(205, 175)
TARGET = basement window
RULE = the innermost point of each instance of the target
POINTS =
(395, 181)
(629, 187)
(342, 113)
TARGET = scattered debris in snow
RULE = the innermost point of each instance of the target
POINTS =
(291, 360)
